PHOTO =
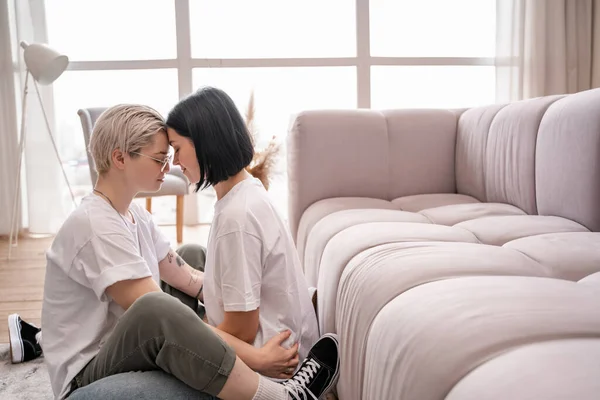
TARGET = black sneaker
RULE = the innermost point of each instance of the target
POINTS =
(318, 373)
(23, 343)
(312, 292)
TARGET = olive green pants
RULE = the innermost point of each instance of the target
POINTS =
(163, 331)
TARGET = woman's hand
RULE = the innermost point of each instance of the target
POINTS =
(276, 360)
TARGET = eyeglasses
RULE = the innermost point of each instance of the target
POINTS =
(164, 162)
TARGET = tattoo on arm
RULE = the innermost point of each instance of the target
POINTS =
(178, 259)
(193, 279)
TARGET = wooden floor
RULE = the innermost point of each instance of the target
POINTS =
(22, 277)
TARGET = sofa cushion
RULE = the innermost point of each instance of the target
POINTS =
(456, 213)
(500, 230)
(376, 276)
(358, 238)
(510, 153)
(322, 208)
(420, 202)
(571, 255)
(433, 335)
(552, 370)
(421, 151)
(471, 144)
(593, 279)
(336, 222)
(336, 153)
(567, 173)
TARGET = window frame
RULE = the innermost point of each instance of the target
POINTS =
(185, 63)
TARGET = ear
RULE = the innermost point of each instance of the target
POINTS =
(118, 159)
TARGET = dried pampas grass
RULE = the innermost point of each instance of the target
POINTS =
(264, 160)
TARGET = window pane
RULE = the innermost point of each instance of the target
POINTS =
(112, 29)
(431, 86)
(278, 94)
(433, 28)
(273, 28)
(83, 89)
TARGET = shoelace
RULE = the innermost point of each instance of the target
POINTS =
(296, 386)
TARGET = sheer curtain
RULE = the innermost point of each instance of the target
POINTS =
(546, 47)
(8, 117)
(45, 198)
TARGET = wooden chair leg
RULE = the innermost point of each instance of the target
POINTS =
(149, 204)
(179, 219)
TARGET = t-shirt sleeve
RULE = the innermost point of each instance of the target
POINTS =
(238, 270)
(161, 243)
(108, 259)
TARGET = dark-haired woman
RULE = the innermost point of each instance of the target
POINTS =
(254, 286)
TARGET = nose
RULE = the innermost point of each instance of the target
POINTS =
(176, 159)
(167, 168)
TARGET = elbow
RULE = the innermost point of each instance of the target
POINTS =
(241, 324)
(248, 337)
(245, 335)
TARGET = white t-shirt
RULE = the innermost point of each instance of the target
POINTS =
(252, 263)
(94, 249)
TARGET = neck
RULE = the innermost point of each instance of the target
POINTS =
(117, 191)
(222, 188)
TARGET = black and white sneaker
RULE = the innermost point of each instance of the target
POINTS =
(318, 373)
(24, 345)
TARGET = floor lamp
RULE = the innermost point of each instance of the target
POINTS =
(44, 65)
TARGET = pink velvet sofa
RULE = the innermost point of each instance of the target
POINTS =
(455, 252)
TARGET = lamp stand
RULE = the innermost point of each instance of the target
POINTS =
(14, 226)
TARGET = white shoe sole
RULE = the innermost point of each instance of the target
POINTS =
(16, 342)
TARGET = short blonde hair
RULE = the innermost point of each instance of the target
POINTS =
(128, 127)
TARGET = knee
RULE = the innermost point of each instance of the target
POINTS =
(154, 305)
(158, 314)
(193, 254)
(191, 248)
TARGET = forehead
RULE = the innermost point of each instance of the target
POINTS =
(159, 142)
(172, 133)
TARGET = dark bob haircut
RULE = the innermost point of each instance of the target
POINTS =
(223, 144)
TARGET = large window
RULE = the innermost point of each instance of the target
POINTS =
(107, 30)
(419, 86)
(272, 28)
(279, 92)
(293, 55)
(433, 28)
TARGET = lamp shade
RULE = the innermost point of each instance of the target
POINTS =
(44, 63)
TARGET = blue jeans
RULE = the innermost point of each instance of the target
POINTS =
(155, 385)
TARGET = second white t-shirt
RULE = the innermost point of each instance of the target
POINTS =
(252, 263)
